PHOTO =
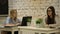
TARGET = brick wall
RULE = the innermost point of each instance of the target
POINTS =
(34, 8)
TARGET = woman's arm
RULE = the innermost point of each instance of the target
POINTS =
(45, 22)
(19, 22)
(6, 23)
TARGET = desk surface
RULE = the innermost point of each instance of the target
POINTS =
(8, 28)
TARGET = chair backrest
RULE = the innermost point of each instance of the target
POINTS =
(24, 20)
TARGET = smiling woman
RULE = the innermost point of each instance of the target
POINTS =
(52, 20)
(3, 7)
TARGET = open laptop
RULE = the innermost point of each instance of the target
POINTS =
(24, 20)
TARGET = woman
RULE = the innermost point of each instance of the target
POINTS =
(12, 20)
(52, 19)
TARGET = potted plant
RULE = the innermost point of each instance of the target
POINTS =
(38, 22)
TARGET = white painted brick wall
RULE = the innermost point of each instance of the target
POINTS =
(34, 8)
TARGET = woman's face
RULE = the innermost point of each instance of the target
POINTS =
(49, 12)
(14, 14)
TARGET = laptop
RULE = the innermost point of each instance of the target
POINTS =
(24, 20)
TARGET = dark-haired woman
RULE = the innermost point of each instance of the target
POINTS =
(52, 20)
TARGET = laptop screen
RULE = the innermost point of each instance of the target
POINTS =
(25, 20)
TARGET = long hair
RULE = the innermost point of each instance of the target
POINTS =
(51, 20)
(12, 12)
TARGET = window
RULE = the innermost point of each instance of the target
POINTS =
(3, 7)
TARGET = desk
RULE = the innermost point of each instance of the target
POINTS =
(34, 30)
(30, 30)
(12, 29)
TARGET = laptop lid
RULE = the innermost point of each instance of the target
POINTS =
(24, 20)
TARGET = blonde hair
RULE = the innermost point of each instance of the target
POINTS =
(12, 12)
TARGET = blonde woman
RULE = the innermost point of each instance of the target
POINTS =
(12, 20)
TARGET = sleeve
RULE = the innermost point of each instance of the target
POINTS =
(19, 21)
(44, 21)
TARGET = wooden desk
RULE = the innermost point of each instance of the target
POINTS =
(34, 30)
(12, 29)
